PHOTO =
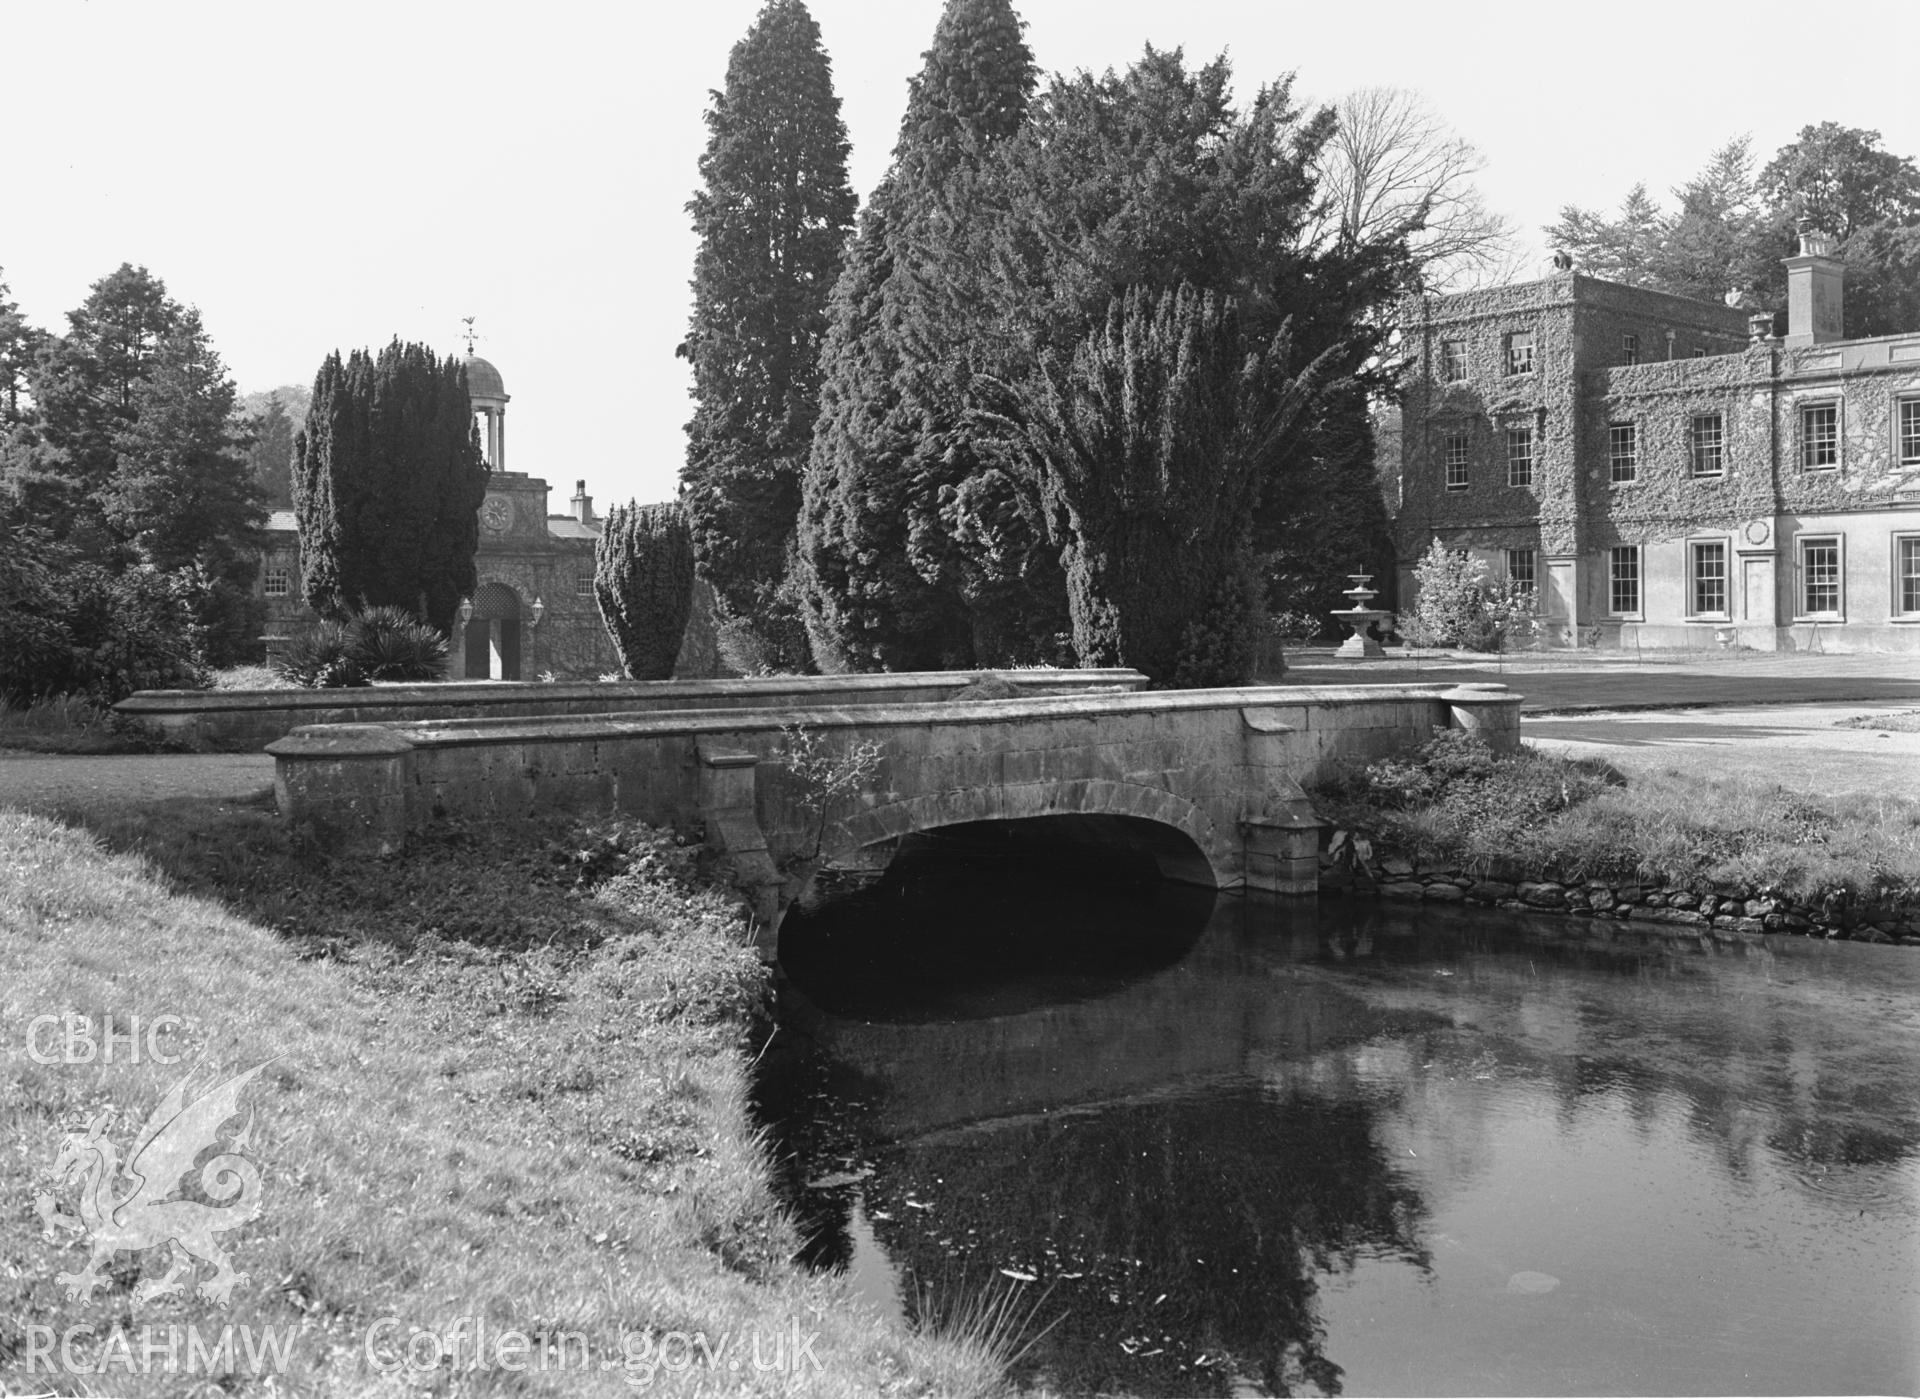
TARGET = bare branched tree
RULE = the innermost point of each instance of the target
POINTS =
(1394, 168)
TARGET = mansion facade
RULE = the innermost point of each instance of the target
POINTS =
(1668, 472)
(532, 612)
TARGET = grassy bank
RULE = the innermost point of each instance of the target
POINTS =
(506, 1084)
(1575, 820)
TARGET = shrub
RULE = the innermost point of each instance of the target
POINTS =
(1300, 628)
(771, 637)
(381, 643)
(74, 628)
(643, 581)
(392, 644)
(36, 652)
(823, 776)
(230, 617)
(323, 659)
(1457, 603)
(133, 631)
(1457, 798)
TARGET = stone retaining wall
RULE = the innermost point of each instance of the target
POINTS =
(244, 720)
(1349, 863)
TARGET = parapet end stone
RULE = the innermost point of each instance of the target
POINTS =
(347, 784)
(1489, 712)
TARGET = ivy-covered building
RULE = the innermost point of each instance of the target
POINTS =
(532, 611)
(1668, 472)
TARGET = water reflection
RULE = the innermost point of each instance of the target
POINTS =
(1365, 1149)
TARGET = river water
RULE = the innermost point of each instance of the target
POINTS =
(1234, 1146)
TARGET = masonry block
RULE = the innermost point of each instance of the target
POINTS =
(1488, 713)
(1282, 854)
(350, 786)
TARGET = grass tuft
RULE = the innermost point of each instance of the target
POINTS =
(1907, 721)
(251, 677)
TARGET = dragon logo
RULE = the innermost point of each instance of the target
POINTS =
(121, 1219)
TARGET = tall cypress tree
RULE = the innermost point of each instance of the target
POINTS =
(387, 483)
(772, 218)
(890, 578)
(866, 607)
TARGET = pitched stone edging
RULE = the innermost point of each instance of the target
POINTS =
(1351, 865)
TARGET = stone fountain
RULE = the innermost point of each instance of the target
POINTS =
(1361, 618)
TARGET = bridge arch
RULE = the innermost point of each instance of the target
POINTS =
(1205, 857)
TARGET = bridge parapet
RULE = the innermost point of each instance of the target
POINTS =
(1223, 769)
(243, 719)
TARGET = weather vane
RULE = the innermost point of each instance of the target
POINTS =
(470, 333)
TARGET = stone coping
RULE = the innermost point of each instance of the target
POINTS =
(434, 733)
(485, 694)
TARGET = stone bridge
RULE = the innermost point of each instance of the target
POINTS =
(1206, 782)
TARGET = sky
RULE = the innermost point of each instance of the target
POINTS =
(327, 177)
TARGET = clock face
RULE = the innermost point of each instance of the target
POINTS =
(495, 513)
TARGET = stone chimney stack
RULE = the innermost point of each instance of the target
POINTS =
(1814, 284)
(582, 503)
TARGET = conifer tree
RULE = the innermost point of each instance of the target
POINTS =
(181, 489)
(866, 607)
(388, 480)
(18, 344)
(182, 494)
(971, 91)
(20, 445)
(643, 579)
(1152, 445)
(1147, 180)
(271, 455)
(772, 218)
(84, 386)
(889, 577)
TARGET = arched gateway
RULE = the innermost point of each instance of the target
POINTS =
(492, 638)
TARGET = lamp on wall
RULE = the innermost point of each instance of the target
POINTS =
(539, 611)
(466, 611)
